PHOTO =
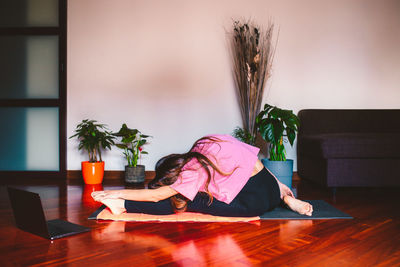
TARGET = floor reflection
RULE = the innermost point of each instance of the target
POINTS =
(197, 252)
(202, 253)
(294, 234)
(291, 228)
(88, 189)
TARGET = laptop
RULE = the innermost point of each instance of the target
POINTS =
(29, 216)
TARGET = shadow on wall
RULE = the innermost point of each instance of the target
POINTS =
(168, 81)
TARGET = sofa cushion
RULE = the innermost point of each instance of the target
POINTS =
(321, 121)
(350, 145)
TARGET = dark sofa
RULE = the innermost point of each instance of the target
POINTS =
(340, 148)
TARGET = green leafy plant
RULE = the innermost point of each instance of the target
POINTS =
(132, 141)
(274, 124)
(243, 135)
(93, 137)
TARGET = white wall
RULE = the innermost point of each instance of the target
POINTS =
(164, 67)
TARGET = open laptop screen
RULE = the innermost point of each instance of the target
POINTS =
(29, 216)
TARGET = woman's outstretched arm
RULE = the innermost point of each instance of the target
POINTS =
(152, 195)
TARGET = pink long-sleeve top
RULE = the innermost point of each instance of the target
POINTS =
(232, 157)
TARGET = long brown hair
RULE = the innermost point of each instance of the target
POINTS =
(169, 167)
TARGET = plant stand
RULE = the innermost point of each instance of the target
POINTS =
(135, 174)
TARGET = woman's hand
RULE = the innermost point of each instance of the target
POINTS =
(109, 194)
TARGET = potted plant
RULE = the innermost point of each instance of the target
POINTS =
(93, 137)
(132, 141)
(243, 135)
(276, 125)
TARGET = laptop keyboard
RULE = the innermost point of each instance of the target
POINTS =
(59, 228)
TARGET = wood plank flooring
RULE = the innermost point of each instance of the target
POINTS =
(372, 238)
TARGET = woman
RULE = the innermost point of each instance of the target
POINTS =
(219, 176)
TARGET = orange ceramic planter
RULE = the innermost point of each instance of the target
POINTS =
(93, 172)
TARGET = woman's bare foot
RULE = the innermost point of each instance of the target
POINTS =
(298, 206)
(117, 206)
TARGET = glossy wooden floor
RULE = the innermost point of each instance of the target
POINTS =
(371, 239)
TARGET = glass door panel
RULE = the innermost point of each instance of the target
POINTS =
(29, 67)
(32, 88)
(30, 142)
(29, 13)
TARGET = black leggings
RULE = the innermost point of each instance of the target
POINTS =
(260, 194)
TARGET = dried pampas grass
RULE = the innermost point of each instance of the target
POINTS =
(252, 53)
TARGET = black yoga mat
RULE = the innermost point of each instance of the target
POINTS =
(93, 216)
(322, 210)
